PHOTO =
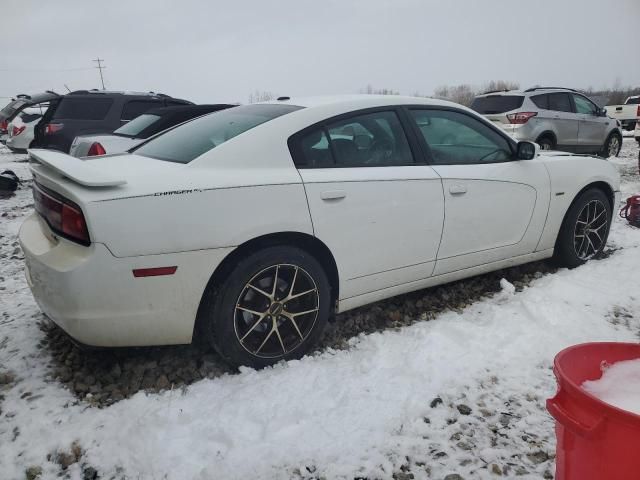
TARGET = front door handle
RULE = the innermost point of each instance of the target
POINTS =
(457, 189)
(333, 195)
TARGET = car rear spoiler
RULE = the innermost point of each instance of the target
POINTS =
(80, 171)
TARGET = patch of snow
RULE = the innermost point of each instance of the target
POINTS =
(619, 386)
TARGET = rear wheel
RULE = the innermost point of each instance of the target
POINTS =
(585, 229)
(546, 143)
(273, 306)
(612, 146)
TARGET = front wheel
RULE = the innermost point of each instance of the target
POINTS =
(612, 146)
(273, 306)
(585, 229)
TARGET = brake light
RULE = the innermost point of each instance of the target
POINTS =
(17, 130)
(521, 117)
(50, 128)
(4, 125)
(638, 111)
(96, 149)
(62, 215)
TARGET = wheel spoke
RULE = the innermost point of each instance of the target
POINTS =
(293, 283)
(294, 323)
(275, 328)
(275, 283)
(301, 294)
(265, 340)
(248, 310)
(297, 314)
(260, 291)
(253, 327)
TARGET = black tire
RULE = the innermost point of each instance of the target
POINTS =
(609, 149)
(573, 250)
(235, 333)
(546, 142)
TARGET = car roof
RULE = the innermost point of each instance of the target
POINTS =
(359, 101)
(528, 91)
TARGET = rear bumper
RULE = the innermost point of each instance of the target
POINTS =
(94, 297)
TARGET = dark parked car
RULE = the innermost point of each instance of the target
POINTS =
(84, 112)
(138, 130)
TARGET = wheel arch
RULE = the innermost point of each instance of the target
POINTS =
(310, 244)
(550, 134)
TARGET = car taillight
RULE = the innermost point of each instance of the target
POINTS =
(96, 149)
(15, 131)
(638, 111)
(50, 128)
(62, 215)
(3, 126)
(520, 117)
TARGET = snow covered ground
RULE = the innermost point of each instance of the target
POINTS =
(457, 397)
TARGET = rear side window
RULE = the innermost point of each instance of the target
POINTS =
(541, 101)
(71, 108)
(135, 126)
(188, 141)
(496, 104)
(135, 108)
(633, 101)
(560, 102)
(368, 140)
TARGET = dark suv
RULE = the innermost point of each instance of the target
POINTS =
(85, 112)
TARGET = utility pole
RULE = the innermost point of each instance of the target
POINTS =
(100, 67)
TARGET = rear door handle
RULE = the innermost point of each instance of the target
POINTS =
(457, 189)
(333, 195)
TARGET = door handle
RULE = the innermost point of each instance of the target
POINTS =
(457, 189)
(333, 195)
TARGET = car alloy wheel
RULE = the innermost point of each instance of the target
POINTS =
(614, 146)
(276, 311)
(590, 231)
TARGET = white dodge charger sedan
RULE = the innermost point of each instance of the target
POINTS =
(249, 227)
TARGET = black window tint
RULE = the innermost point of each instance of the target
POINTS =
(314, 150)
(190, 140)
(560, 102)
(457, 138)
(83, 108)
(369, 140)
(135, 108)
(541, 101)
(633, 101)
(496, 104)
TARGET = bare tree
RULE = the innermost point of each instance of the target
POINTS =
(260, 96)
(369, 90)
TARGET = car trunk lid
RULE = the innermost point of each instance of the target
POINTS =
(10, 111)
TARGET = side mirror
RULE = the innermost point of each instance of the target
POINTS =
(602, 112)
(527, 150)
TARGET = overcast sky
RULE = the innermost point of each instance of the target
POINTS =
(214, 51)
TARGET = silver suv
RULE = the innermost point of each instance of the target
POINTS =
(555, 118)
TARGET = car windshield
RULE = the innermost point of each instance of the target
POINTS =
(188, 141)
(135, 126)
(496, 104)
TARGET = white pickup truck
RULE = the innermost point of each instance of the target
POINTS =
(628, 113)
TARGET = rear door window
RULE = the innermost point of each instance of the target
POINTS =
(71, 108)
(135, 108)
(494, 104)
(541, 101)
(560, 102)
(188, 141)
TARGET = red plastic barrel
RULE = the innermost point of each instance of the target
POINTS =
(595, 441)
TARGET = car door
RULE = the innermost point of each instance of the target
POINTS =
(378, 210)
(495, 206)
(592, 127)
(565, 120)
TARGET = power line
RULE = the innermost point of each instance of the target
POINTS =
(100, 67)
(28, 70)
